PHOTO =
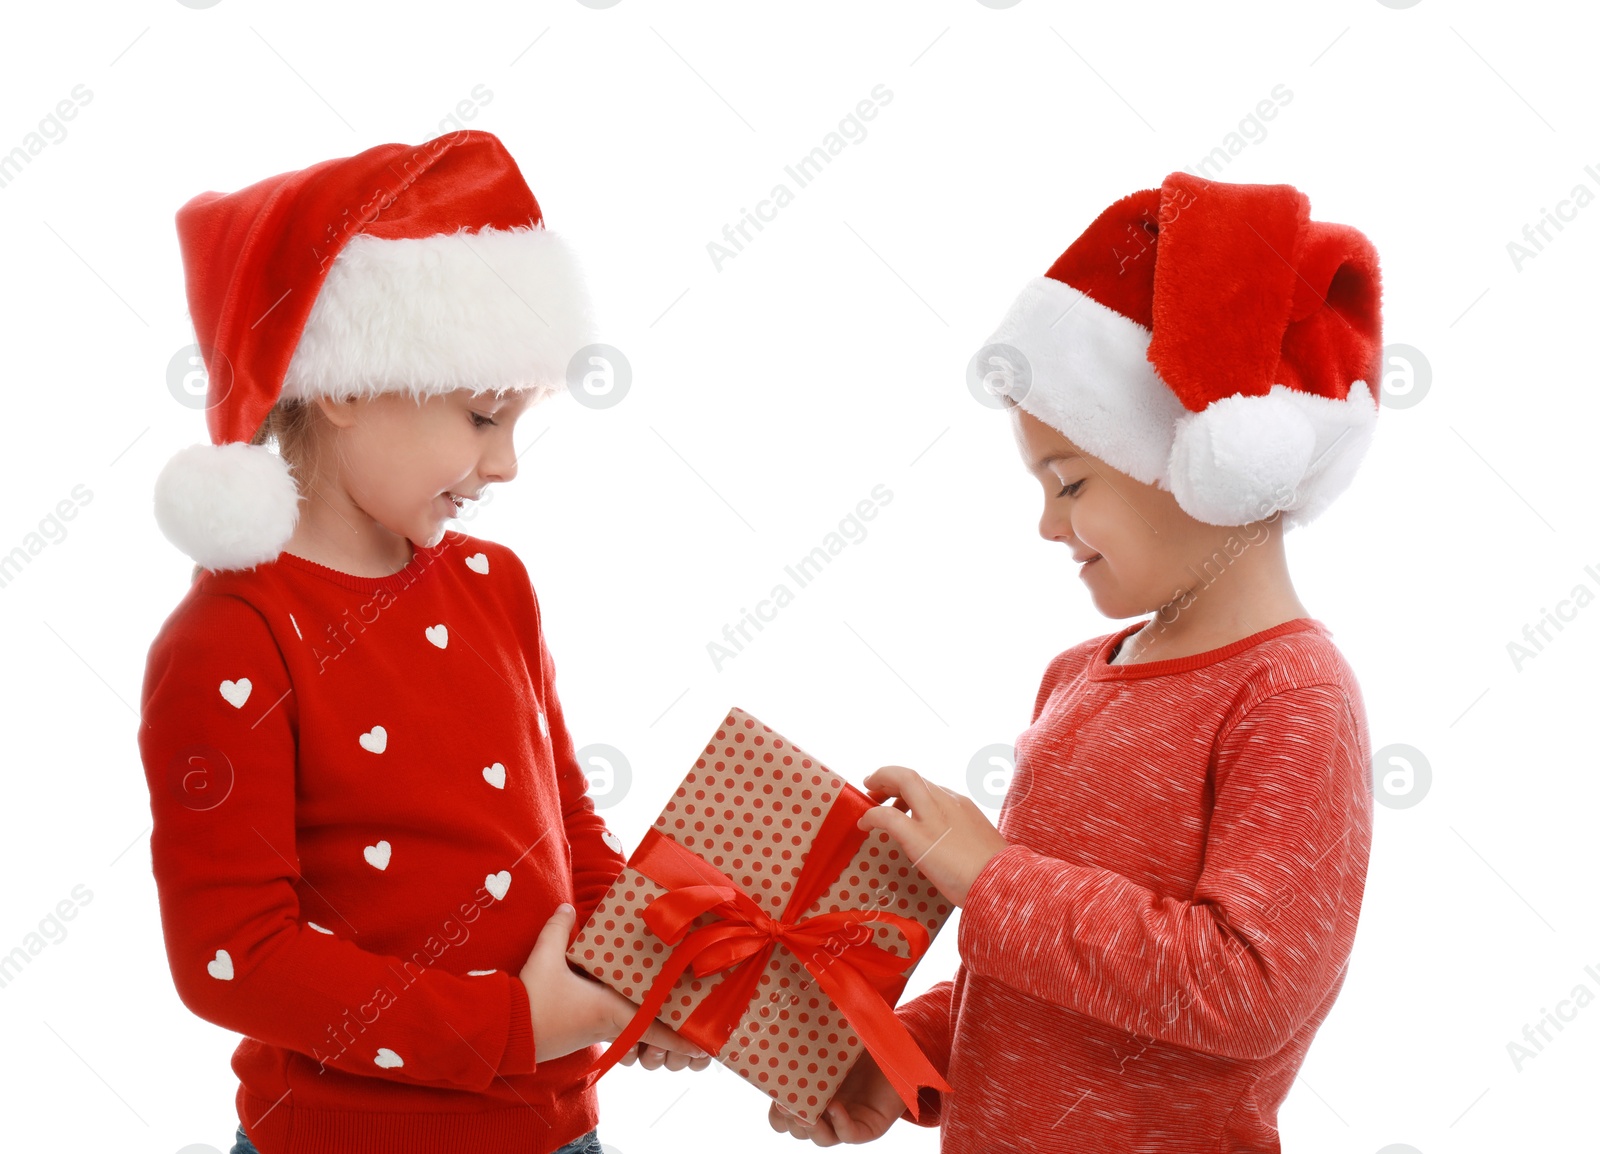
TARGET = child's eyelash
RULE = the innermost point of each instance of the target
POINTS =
(479, 420)
(1071, 489)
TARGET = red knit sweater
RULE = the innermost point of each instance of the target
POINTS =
(1146, 964)
(366, 806)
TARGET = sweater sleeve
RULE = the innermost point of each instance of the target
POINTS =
(595, 852)
(1235, 970)
(218, 739)
(927, 1019)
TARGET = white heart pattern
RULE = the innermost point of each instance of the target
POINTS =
(544, 725)
(495, 775)
(318, 928)
(480, 973)
(221, 967)
(236, 692)
(438, 634)
(387, 1058)
(377, 855)
(478, 563)
(612, 840)
(375, 740)
(498, 884)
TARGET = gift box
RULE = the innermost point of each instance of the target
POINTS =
(756, 920)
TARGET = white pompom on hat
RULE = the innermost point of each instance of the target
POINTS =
(224, 505)
(1209, 339)
(416, 270)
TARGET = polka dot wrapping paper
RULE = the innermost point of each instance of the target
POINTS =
(752, 809)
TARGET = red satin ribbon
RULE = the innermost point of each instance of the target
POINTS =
(860, 976)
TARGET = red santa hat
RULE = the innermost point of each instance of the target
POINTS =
(1209, 339)
(409, 269)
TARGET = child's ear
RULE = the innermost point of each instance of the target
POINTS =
(339, 413)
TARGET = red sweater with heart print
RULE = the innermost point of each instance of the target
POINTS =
(1144, 967)
(366, 806)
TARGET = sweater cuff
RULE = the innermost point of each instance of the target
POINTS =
(518, 1055)
(990, 905)
(926, 1034)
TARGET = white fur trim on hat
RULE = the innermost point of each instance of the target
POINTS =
(1244, 457)
(498, 309)
(228, 506)
(1088, 377)
(1237, 461)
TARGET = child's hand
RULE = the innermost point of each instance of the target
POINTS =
(948, 837)
(654, 1057)
(570, 1010)
(863, 1109)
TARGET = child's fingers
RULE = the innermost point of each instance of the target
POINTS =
(784, 1122)
(891, 820)
(823, 1132)
(679, 1061)
(878, 797)
(667, 1039)
(552, 940)
(903, 783)
(820, 1132)
(844, 1128)
(876, 793)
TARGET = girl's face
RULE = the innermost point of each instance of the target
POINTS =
(1133, 542)
(405, 464)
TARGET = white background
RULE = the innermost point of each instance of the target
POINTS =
(771, 396)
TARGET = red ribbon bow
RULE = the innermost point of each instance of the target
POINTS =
(859, 975)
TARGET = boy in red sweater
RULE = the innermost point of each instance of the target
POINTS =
(1162, 919)
(366, 801)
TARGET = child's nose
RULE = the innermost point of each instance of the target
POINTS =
(500, 464)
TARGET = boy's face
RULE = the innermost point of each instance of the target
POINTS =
(398, 459)
(1143, 541)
